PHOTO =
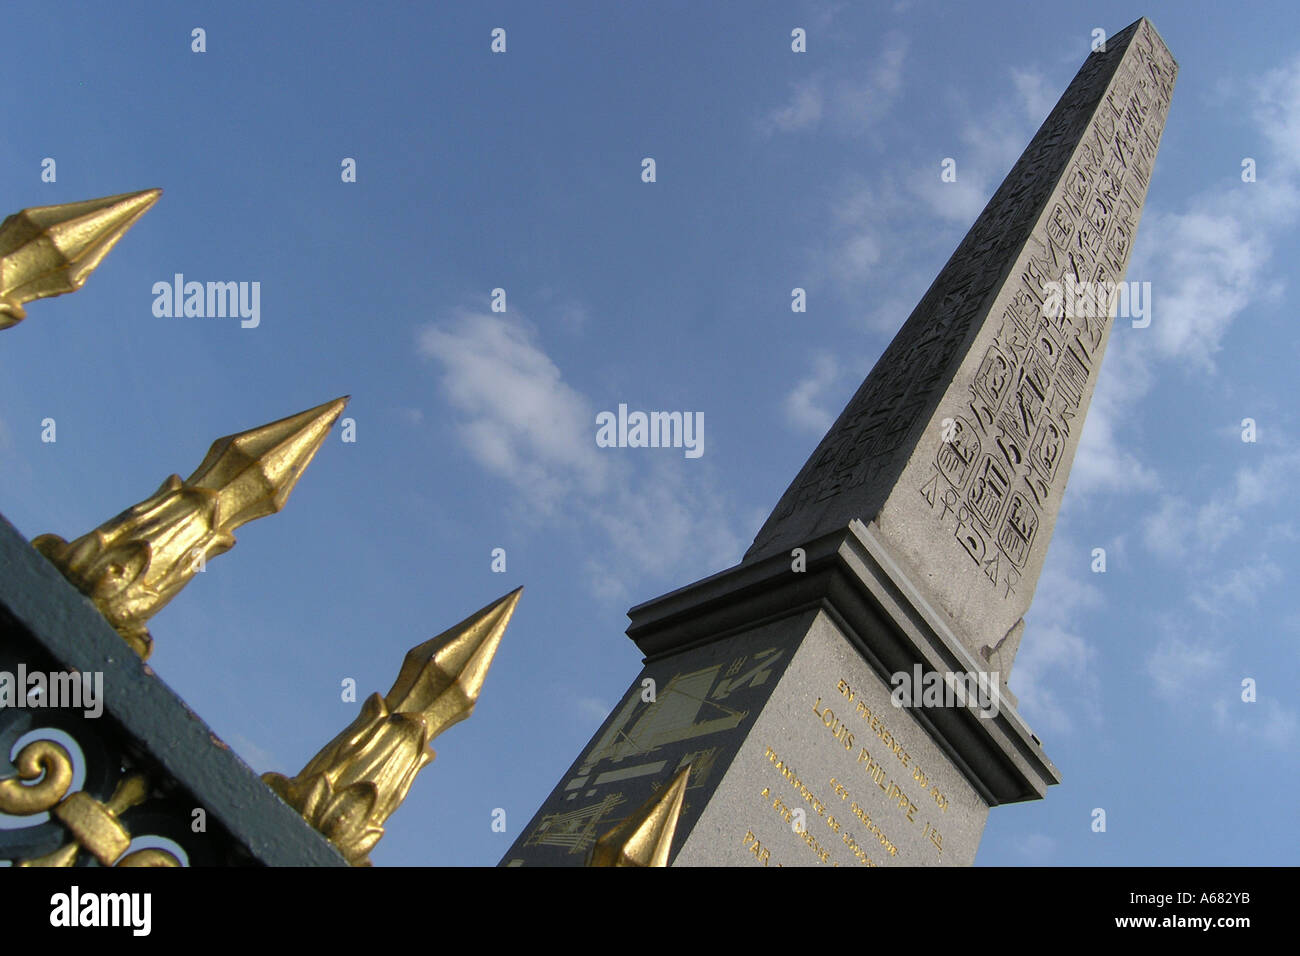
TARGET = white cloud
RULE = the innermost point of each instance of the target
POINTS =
(664, 518)
(603, 586)
(1205, 265)
(1037, 848)
(851, 105)
(521, 421)
(591, 708)
(871, 220)
(1036, 95)
(1276, 111)
(859, 254)
(1166, 531)
(874, 217)
(1053, 649)
(1208, 262)
(574, 316)
(1232, 591)
(1102, 462)
(1186, 672)
(860, 103)
(1266, 721)
(1179, 668)
(1179, 529)
(824, 14)
(987, 146)
(566, 311)
(805, 405)
(802, 111)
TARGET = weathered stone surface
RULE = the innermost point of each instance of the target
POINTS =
(873, 787)
(970, 509)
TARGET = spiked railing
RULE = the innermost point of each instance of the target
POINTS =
(133, 564)
(645, 838)
(50, 250)
(354, 784)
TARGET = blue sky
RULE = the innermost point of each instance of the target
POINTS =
(476, 430)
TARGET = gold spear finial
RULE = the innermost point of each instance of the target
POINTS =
(132, 565)
(646, 836)
(253, 472)
(354, 784)
(50, 250)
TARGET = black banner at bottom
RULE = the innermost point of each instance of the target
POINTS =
(375, 905)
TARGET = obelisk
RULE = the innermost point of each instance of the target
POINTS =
(904, 554)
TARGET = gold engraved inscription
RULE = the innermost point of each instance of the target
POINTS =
(819, 807)
(761, 853)
(834, 724)
(789, 773)
(894, 745)
(788, 816)
(864, 817)
(893, 792)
